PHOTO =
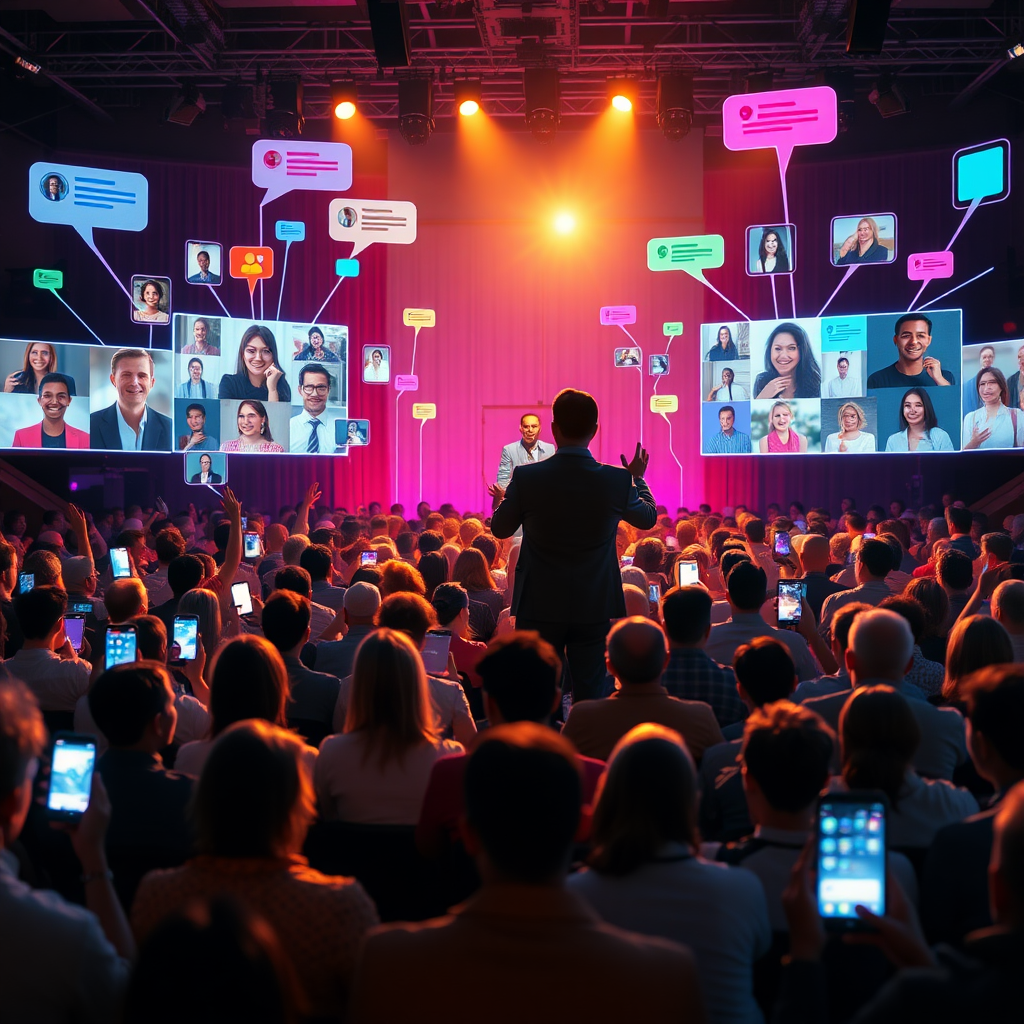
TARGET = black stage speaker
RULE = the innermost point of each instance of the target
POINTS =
(389, 23)
(865, 27)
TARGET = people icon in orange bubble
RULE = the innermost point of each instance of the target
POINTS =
(251, 265)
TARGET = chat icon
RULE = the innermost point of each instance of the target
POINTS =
(419, 318)
(346, 268)
(407, 382)
(781, 119)
(844, 333)
(85, 198)
(281, 165)
(981, 174)
(664, 403)
(424, 411)
(48, 279)
(926, 266)
(290, 231)
(691, 253)
(674, 329)
(365, 221)
(251, 263)
(612, 316)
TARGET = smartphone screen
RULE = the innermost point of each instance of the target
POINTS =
(120, 645)
(186, 630)
(241, 598)
(654, 593)
(782, 543)
(119, 564)
(790, 594)
(626, 560)
(851, 841)
(368, 558)
(252, 545)
(80, 607)
(245, 522)
(74, 630)
(687, 572)
(26, 581)
(71, 768)
(435, 652)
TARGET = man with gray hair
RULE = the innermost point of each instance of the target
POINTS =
(880, 653)
(1008, 609)
(129, 425)
(358, 610)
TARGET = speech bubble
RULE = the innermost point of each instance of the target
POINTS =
(844, 333)
(365, 221)
(780, 120)
(419, 318)
(673, 329)
(48, 279)
(424, 411)
(927, 266)
(251, 263)
(346, 268)
(612, 316)
(664, 403)
(290, 231)
(691, 253)
(282, 165)
(981, 174)
(88, 198)
(407, 382)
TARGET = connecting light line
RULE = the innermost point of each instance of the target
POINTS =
(938, 298)
(217, 297)
(284, 274)
(724, 299)
(968, 213)
(846, 277)
(110, 271)
(775, 298)
(640, 370)
(86, 326)
(328, 299)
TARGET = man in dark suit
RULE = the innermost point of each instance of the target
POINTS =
(205, 464)
(568, 584)
(129, 425)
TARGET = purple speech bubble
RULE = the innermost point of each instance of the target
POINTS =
(282, 165)
(614, 316)
(927, 266)
(407, 382)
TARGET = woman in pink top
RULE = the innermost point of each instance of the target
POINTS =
(781, 438)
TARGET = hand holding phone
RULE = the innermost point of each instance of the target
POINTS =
(186, 636)
(74, 630)
(241, 598)
(687, 572)
(71, 770)
(790, 604)
(121, 645)
(782, 546)
(253, 548)
(435, 651)
(119, 564)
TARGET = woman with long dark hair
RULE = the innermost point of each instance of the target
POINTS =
(919, 426)
(771, 253)
(258, 372)
(790, 368)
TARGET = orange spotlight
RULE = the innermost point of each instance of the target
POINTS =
(343, 99)
(468, 92)
(623, 93)
(565, 223)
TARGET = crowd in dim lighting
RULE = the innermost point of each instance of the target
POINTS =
(363, 741)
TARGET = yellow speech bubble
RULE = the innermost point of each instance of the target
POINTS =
(424, 411)
(664, 403)
(419, 317)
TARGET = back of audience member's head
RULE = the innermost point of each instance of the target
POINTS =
(450, 529)
(954, 570)
(1008, 606)
(410, 614)
(169, 544)
(753, 530)
(22, 741)
(975, 642)
(378, 524)
(876, 557)
(895, 549)
(747, 585)
(291, 550)
(125, 699)
(686, 533)
(686, 613)
(324, 537)
(183, 573)
(247, 680)
(649, 554)
(935, 602)
(814, 555)
(999, 545)
(842, 623)
(879, 736)
(433, 567)
(787, 750)
(995, 709)
(39, 610)
(487, 546)
(429, 540)
(285, 620)
(855, 522)
(361, 602)
(716, 541)
(764, 668)
(637, 601)
(523, 795)
(294, 578)
(881, 646)
(648, 800)
(839, 547)
(397, 577)
(449, 600)
(205, 606)
(317, 561)
(958, 519)
(45, 566)
(637, 651)
(895, 528)
(469, 530)
(1006, 869)
(520, 674)
(126, 598)
(366, 574)
(574, 414)
(254, 797)
(471, 570)
(910, 609)
(151, 637)
(730, 559)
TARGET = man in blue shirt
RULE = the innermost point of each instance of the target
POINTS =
(729, 440)
(520, 453)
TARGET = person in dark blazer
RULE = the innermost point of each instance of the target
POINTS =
(567, 581)
(205, 466)
(129, 425)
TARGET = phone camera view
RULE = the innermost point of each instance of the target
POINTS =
(26, 581)
(368, 558)
(74, 630)
(119, 564)
(687, 573)
(782, 544)
(789, 603)
(120, 647)
(252, 545)
(185, 634)
(71, 777)
(851, 859)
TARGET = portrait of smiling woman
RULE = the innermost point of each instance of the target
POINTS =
(254, 433)
(790, 368)
(920, 430)
(258, 372)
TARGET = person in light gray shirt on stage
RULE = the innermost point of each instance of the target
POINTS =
(521, 453)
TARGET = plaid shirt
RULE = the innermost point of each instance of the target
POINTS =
(692, 675)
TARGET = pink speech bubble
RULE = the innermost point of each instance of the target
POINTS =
(280, 165)
(927, 266)
(407, 382)
(612, 316)
(782, 120)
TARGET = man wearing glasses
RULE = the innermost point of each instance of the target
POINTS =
(52, 432)
(311, 432)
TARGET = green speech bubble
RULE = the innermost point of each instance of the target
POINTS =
(691, 253)
(47, 279)
(672, 330)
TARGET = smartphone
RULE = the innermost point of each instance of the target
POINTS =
(74, 629)
(870, 536)
(241, 598)
(368, 558)
(252, 545)
(435, 651)
(80, 607)
(185, 635)
(71, 768)
(851, 845)
(790, 594)
(26, 581)
(626, 560)
(782, 543)
(687, 572)
(121, 645)
(245, 522)
(119, 564)
(654, 593)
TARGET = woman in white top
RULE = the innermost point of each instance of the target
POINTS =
(920, 426)
(852, 436)
(993, 425)
(645, 874)
(376, 772)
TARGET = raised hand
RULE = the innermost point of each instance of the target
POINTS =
(231, 505)
(775, 387)
(978, 437)
(312, 496)
(638, 464)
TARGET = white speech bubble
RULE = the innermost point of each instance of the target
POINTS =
(280, 166)
(365, 221)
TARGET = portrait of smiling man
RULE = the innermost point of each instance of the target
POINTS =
(52, 432)
(310, 431)
(914, 366)
(129, 424)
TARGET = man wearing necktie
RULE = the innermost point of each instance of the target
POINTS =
(310, 429)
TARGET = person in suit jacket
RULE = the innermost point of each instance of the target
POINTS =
(203, 276)
(52, 431)
(129, 425)
(567, 582)
(205, 466)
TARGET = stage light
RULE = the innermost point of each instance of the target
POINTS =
(543, 102)
(185, 106)
(675, 105)
(623, 93)
(415, 110)
(887, 98)
(565, 223)
(1014, 52)
(34, 69)
(344, 97)
(468, 96)
(284, 109)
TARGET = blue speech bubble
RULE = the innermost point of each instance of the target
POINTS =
(85, 198)
(290, 230)
(844, 333)
(347, 268)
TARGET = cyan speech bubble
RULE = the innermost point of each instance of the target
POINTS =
(88, 198)
(48, 279)
(673, 329)
(981, 173)
(927, 266)
(281, 165)
(290, 231)
(691, 253)
(365, 221)
(346, 268)
(844, 333)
